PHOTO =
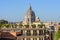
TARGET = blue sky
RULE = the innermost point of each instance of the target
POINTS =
(14, 10)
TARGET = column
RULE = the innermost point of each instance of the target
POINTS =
(43, 38)
(31, 38)
(36, 25)
(38, 32)
(31, 32)
(24, 32)
(24, 38)
(37, 38)
(43, 32)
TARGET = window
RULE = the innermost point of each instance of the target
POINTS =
(34, 32)
(34, 38)
(40, 32)
(52, 27)
(39, 38)
(27, 38)
(47, 32)
(28, 32)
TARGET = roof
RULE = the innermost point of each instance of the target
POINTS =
(7, 35)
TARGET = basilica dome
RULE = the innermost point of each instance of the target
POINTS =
(29, 16)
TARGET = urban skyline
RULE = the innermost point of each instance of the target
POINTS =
(29, 20)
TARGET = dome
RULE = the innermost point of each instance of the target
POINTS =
(30, 16)
(37, 19)
(30, 12)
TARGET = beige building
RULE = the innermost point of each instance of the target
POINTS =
(32, 28)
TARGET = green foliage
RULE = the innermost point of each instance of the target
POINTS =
(27, 26)
(33, 26)
(0, 25)
(3, 21)
(57, 35)
(5, 25)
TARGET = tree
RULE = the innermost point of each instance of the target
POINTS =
(3, 21)
(57, 35)
(6, 25)
(0, 25)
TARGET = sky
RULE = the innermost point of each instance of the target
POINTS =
(15, 10)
